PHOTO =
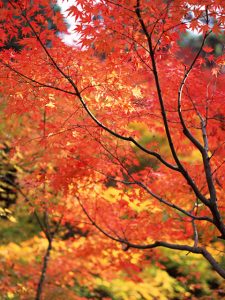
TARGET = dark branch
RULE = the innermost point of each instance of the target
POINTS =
(40, 84)
(126, 244)
(172, 205)
(163, 111)
(212, 204)
(100, 124)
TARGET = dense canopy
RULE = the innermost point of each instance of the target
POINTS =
(120, 136)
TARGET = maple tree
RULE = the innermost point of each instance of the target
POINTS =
(124, 130)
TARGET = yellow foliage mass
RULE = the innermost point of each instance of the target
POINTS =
(155, 285)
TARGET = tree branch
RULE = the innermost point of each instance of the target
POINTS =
(78, 94)
(172, 205)
(40, 84)
(163, 111)
(43, 271)
(126, 244)
(157, 197)
(188, 133)
(212, 204)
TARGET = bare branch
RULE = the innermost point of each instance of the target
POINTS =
(212, 204)
(172, 205)
(195, 230)
(143, 186)
(163, 111)
(40, 84)
(126, 244)
(43, 271)
(202, 149)
(78, 94)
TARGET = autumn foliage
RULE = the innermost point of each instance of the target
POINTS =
(121, 135)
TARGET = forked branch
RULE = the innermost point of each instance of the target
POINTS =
(181, 168)
(126, 244)
(82, 101)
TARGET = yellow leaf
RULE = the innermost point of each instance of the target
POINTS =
(137, 92)
(11, 219)
(50, 104)
(10, 295)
